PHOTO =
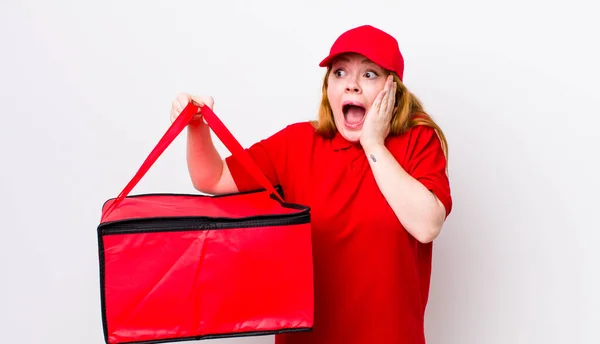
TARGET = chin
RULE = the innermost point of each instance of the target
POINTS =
(350, 134)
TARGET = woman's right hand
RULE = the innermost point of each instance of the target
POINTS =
(183, 99)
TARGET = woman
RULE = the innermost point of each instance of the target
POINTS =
(372, 168)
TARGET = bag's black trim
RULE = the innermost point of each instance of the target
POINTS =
(277, 188)
(199, 223)
(102, 284)
(222, 336)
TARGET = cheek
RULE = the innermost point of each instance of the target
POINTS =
(371, 98)
(372, 92)
(334, 98)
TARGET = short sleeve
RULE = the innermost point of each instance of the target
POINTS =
(426, 162)
(269, 155)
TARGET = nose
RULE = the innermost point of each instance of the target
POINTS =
(352, 86)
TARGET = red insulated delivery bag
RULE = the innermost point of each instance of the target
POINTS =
(177, 267)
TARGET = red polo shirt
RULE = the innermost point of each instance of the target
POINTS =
(371, 276)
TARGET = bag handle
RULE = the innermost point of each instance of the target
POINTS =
(222, 133)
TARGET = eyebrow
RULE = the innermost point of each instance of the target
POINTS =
(364, 61)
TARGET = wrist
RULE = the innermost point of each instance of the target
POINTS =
(197, 128)
(196, 124)
(372, 147)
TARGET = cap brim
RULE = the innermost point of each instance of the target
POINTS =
(327, 61)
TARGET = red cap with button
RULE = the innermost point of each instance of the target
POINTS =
(373, 43)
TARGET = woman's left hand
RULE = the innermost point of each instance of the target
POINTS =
(377, 122)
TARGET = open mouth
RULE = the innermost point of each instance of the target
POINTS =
(354, 114)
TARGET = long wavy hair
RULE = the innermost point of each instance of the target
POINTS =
(409, 113)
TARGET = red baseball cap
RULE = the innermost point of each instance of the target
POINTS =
(371, 42)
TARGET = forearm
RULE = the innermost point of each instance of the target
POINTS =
(417, 208)
(205, 165)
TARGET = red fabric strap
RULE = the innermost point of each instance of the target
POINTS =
(222, 133)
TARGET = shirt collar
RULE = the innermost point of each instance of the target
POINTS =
(338, 142)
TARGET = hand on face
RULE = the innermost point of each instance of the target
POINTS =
(377, 122)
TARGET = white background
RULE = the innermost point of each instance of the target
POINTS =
(85, 93)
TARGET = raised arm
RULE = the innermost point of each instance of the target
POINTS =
(208, 171)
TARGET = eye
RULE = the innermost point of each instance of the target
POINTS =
(339, 73)
(371, 74)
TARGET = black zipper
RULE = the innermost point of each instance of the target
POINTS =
(149, 225)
